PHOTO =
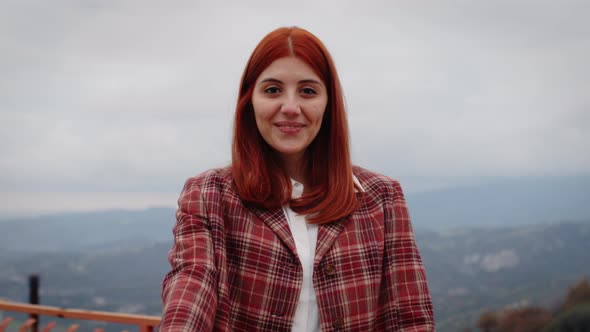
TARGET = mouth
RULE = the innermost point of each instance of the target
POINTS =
(289, 127)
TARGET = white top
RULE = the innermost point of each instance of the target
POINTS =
(307, 317)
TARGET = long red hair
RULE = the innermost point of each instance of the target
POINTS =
(257, 174)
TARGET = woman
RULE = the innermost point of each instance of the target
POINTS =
(291, 236)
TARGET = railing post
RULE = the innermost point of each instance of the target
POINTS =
(146, 328)
(34, 298)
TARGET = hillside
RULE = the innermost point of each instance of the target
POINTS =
(469, 269)
(503, 202)
(474, 269)
(86, 231)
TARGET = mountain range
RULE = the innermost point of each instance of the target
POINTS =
(500, 246)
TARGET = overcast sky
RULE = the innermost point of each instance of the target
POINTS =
(114, 103)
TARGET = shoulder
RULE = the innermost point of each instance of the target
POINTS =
(378, 185)
(210, 181)
(204, 192)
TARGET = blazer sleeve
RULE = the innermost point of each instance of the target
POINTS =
(410, 305)
(189, 290)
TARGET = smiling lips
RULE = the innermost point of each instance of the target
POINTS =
(289, 127)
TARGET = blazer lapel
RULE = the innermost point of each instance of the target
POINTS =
(327, 233)
(276, 220)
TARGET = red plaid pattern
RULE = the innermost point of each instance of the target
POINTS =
(235, 267)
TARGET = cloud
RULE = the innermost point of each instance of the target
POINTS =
(30, 204)
(138, 95)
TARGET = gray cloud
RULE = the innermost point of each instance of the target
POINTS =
(138, 95)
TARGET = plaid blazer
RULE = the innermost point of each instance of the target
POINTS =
(235, 267)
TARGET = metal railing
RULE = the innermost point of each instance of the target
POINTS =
(144, 322)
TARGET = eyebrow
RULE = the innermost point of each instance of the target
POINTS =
(274, 80)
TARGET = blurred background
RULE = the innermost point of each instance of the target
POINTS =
(480, 109)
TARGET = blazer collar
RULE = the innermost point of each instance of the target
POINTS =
(327, 233)
(276, 220)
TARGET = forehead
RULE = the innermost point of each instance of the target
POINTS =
(289, 68)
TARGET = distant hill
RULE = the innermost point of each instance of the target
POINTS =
(125, 280)
(469, 269)
(87, 230)
(503, 202)
(472, 269)
(509, 242)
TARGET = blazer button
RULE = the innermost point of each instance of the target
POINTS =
(330, 270)
(338, 323)
(279, 312)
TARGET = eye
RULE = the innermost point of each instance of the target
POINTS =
(308, 91)
(272, 90)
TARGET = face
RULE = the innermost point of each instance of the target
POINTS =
(289, 102)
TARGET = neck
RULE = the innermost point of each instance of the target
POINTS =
(294, 166)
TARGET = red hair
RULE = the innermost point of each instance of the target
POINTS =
(257, 174)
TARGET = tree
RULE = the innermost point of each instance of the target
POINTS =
(530, 319)
(577, 294)
(576, 319)
(488, 321)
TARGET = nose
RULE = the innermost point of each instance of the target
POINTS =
(290, 105)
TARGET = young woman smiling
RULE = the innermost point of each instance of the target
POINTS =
(291, 236)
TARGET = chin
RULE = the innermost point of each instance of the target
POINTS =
(290, 151)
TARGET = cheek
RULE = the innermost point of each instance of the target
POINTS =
(264, 127)
(262, 110)
(321, 109)
(261, 124)
(318, 114)
(259, 115)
